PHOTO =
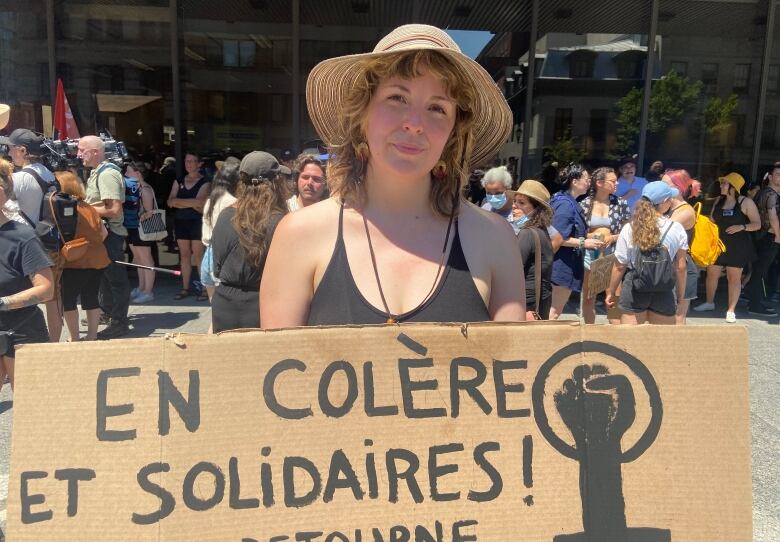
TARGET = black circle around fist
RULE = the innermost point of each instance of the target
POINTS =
(636, 366)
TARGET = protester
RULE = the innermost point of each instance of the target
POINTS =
(81, 278)
(648, 230)
(241, 238)
(31, 180)
(222, 196)
(682, 212)
(188, 196)
(474, 191)
(605, 215)
(767, 241)
(655, 172)
(629, 185)
(310, 185)
(25, 281)
(569, 220)
(404, 124)
(142, 203)
(532, 203)
(735, 216)
(106, 193)
(496, 182)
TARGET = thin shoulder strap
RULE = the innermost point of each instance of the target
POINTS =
(341, 223)
(669, 227)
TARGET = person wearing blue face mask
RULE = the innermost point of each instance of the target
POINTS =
(496, 182)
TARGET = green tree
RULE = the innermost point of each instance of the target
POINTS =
(718, 113)
(564, 151)
(672, 97)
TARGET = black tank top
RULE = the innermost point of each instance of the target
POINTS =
(189, 213)
(337, 300)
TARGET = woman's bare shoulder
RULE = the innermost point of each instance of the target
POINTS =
(479, 219)
(310, 225)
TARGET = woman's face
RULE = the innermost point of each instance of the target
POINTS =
(664, 206)
(408, 123)
(522, 206)
(495, 188)
(580, 186)
(609, 184)
(725, 188)
(192, 164)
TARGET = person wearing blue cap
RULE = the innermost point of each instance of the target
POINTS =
(654, 279)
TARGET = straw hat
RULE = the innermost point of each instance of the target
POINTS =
(331, 80)
(536, 191)
(734, 179)
(5, 115)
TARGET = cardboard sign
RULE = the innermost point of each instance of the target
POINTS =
(489, 432)
(600, 274)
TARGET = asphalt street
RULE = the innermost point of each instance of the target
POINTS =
(166, 315)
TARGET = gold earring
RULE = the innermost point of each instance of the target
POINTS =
(440, 169)
(361, 151)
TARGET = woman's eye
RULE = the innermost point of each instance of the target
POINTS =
(438, 109)
(397, 98)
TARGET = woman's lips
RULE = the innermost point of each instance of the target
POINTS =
(407, 148)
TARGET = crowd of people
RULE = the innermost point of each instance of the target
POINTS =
(395, 224)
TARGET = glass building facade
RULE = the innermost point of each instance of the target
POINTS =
(168, 75)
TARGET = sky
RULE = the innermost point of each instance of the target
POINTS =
(470, 42)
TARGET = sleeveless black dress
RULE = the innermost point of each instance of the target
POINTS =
(338, 301)
(739, 246)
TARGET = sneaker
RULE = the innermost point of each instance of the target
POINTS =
(731, 318)
(704, 307)
(114, 330)
(135, 292)
(144, 297)
(762, 310)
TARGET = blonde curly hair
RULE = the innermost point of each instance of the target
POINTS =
(345, 169)
(644, 225)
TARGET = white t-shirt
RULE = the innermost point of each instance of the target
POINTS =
(675, 239)
(292, 204)
(208, 227)
(28, 192)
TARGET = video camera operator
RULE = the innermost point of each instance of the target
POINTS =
(25, 281)
(106, 193)
(31, 181)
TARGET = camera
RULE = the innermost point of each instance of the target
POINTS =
(61, 154)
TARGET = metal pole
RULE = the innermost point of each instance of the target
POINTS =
(52, 52)
(649, 70)
(178, 125)
(296, 75)
(530, 81)
(759, 128)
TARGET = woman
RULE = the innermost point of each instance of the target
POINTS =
(397, 243)
(496, 182)
(25, 281)
(569, 220)
(81, 278)
(310, 186)
(142, 250)
(241, 239)
(649, 228)
(735, 216)
(533, 213)
(682, 212)
(605, 215)
(188, 196)
(222, 196)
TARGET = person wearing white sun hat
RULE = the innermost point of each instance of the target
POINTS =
(396, 242)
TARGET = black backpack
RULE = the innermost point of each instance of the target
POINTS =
(654, 269)
(58, 216)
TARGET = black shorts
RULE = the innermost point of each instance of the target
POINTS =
(663, 303)
(28, 326)
(80, 282)
(188, 229)
(133, 238)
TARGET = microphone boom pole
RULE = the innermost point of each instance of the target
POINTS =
(150, 268)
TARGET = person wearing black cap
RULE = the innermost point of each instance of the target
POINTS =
(25, 147)
(30, 183)
(241, 238)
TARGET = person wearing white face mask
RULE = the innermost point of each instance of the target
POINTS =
(496, 182)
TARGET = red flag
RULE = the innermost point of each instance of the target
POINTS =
(64, 123)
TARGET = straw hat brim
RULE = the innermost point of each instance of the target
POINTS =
(538, 198)
(5, 115)
(331, 80)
